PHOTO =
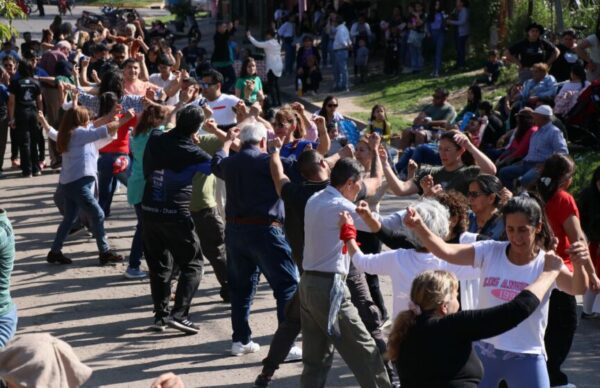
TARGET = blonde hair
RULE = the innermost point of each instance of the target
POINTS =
(540, 67)
(429, 290)
(287, 113)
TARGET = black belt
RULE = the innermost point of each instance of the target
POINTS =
(254, 221)
(328, 275)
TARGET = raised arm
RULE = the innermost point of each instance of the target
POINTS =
(576, 282)
(398, 187)
(324, 140)
(277, 173)
(485, 164)
(373, 182)
(460, 254)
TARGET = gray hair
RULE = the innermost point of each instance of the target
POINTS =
(63, 44)
(435, 215)
(253, 133)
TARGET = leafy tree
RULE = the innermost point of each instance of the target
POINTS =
(9, 10)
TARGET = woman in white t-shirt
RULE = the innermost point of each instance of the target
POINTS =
(404, 265)
(507, 267)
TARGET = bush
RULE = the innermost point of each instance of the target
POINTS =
(586, 163)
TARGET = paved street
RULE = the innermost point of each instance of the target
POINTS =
(105, 317)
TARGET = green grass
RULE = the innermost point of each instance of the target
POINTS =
(171, 17)
(585, 163)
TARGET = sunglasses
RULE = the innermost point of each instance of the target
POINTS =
(474, 194)
(205, 85)
(332, 105)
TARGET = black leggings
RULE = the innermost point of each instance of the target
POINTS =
(28, 134)
(562, 322)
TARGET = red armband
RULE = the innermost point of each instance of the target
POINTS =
(347, 232)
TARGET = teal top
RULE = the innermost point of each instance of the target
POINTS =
(7, 261)
(241, 85)
(136, 181)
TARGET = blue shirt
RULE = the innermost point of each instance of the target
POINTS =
(545, 142)
(493, 228)
(92, 102)
(81, 158)
(250, 189)
(544, 88)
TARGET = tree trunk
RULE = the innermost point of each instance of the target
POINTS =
(558, 10)
(529, 9)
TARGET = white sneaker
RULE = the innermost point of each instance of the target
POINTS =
(237, 349)
(565, 386)
(295, 354)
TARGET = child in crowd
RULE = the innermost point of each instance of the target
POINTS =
(491, 69)
(378, 123)
(361, 60)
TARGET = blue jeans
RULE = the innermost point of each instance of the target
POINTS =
(137, 245)
(519, 370)
(252, 249)
(423, 154)
(438, 41)
(525, 172)
(416, 57)
(8, 325)
(107, 181)
(79, 195)
(461, 50)
(340, 70)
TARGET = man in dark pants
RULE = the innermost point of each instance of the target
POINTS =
(315, 173)
(254, 237)
(40, 4)
(171, 160)
(24, 101)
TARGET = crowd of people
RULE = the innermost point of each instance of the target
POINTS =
(484, 265)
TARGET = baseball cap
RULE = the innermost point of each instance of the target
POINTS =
(543, 110)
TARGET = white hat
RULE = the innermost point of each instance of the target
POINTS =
(543, 110)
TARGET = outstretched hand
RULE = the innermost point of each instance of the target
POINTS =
(412, 219)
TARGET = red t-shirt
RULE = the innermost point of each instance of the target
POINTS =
(121, 143)
(560, 207)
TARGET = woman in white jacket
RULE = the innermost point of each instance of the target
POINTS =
(274, 64)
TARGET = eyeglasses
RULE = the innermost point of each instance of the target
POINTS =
(474, 194)
(332, 105)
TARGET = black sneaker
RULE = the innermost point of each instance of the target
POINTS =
(184, 325)
(159, 325)
(58, 257)
(263, 380)
(589, 316)
(110, 257)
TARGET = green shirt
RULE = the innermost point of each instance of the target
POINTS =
(445, 112)
(7, 260)
(241, 85)
(203, 186)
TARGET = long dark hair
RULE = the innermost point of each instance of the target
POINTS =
(524, 123)
(244, 69)
(112, 81)
(556, 171)
(373, 117)
(432, 11)
(327, 100)
(108, 101)
(473, 105)
(150, 114)
(25, 69)
(531, 205)
(579, 71)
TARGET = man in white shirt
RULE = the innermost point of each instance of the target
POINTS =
(274, 64)
(220, 103)
(341, 47)
(164, 78)
(328, 316)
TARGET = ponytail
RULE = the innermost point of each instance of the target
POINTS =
(402, 324)
(557, 170)
(532, 206)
